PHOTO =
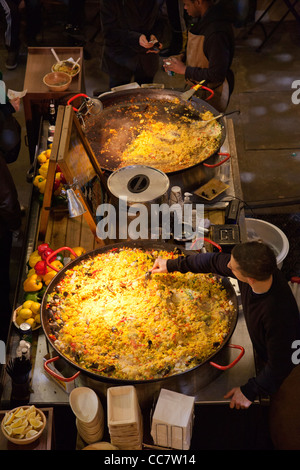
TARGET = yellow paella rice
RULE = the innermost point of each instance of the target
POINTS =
(173, 146)
(166, 135)
(107, 319)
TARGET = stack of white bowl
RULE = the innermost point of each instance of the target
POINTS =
(89, 413)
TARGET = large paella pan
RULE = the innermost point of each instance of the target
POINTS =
(156, 128)
(102, 316)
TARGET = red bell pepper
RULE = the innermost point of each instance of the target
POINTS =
(42, 248)
(40, 268)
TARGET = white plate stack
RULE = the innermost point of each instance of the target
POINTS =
(173, 418)
(124, 418)
(89, 414)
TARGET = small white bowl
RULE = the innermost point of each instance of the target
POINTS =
(85, 404)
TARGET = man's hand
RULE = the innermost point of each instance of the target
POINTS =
(143, 41)
(174, 64)
(238, 399)
(159, 266)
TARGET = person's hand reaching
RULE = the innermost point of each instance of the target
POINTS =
(159, 266)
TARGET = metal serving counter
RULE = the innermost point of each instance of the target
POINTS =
(45, 390)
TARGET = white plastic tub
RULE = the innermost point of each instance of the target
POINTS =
(271, 235)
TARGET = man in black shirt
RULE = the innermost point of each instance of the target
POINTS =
(270, 310)
(209, 52)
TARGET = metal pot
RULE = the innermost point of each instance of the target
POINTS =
(167, 101)
(187, 382)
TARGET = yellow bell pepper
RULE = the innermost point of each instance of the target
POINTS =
(56, 263)
(47, 153)
(79, 250)
(33, 283)
(43, 170)
(34, 258)
(44, 156)
(49, 276)
(38, 180)
(31, 272)
(42, 186)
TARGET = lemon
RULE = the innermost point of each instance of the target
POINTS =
(36, 423)
(20, 413)
(37, 318)
(31, 415)
(25, 313)
(8, 430)
(27, 304)
(8, 419)
(35, 307)
(31, 409)
(19, 320)
(18, 430)
(17, 422)
(31, 433)
(30, 322)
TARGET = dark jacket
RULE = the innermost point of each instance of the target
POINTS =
(272, 320)
(10, 212)
(123, 21)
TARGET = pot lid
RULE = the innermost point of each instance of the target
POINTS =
(138, 183)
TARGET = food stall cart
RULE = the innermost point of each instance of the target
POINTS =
(59, 230)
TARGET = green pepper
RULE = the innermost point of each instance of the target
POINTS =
(32, 296)
(41, 199)
(41, 293)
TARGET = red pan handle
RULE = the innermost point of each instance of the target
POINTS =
(208, 241)
(57, 376)
(211, 92)
(76, 96)
(229, 366)
(219, 163)
(54, 253)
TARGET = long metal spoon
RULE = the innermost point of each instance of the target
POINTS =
(218, 116)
